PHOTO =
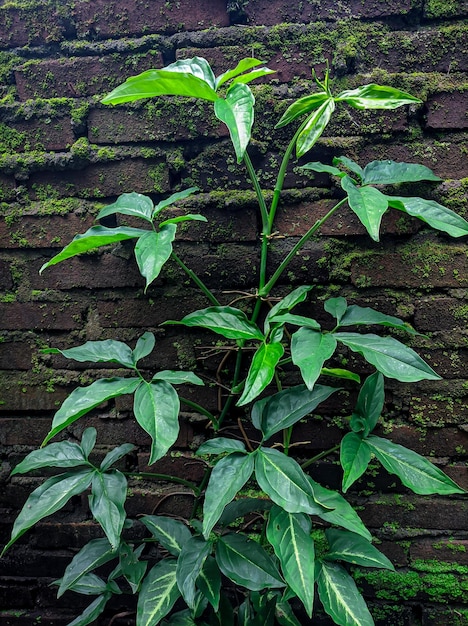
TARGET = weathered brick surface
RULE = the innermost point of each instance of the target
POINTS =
(448, 111)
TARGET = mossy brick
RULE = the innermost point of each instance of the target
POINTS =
(446, 616)
(36, 24)
(7, 188)
(433, 313)
(6, 280)
(270, 12)
(449, 364)
(447, 111)
(112, 18)
(101, 181)
(15, 355)
(42, 133)
(435, 409)
(79, 77)
(159, 121)
(184, 466)
(448, 550)
(447, 441)
(25, 315)
(436, 9)
(42, 231)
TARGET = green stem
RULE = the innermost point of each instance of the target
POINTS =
(258, 190)
(270, 284)
(322, 455)
(201, 410)
(287, 433)
(235, 380)
(208, 293)
(201, 488)
(165, 478)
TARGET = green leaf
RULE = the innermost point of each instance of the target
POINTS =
(315, 126)
(225, 320)
(89, 585)
(84, 399)
(220, 445)
(94, 554)
(237, 112)
(92, 612)
(389, 356)
(351, 165)
(175, 197)
(347, 546)
(432, 213)
(227, 478)
(368, 203)
(284, 615)
(88, 440)
(188, 217)
(246, 563)
(309, 351)
(376, 97)
(95, 237)
(316, 166)
(172, 534)
(390, 173)
(289, 534)
(177, 377)
(115, 455)
(286, 408)
(134, 204)
(295, 320)
(302, 106)
(132, 568)
(107, 351)
(106, 503)
(261, 371)
(189, 566)
(253, 75)
(156, 407)
(282, 478)
(49, 497)
(355, 456)
(286, 304)
(414, 471)
(370, 403)
(338, 372)
(158, 594)
(242, 507)
(342, 513)
(144, 346)
(363, 315)
(61, 454)
(152, 250)
(340, 596)
(336, 307)
(209, 582)
(243, 65)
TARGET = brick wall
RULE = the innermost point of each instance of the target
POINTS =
(63, 155)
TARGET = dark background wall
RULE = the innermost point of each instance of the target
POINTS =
(63, 155)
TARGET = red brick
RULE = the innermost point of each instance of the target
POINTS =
(44, 134)
(99, 181)
(6, 281)
(30, 26)
(44, 316)
(444, 442)
(110, 18)
(439, 313)
(43, 231)
(20, 395)
(15, 355)
(447, 550)
(448, 111)
(7, 188)
(430, 410)
(79, 77)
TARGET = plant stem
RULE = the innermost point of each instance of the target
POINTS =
(165, 478)
(208, 293)
(271, 283)
(322, 455)
(201, 410)
(258, 191)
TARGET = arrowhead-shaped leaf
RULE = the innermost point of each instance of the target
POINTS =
(134, 204)
(302, 106)
(107, 351)
(355, 456)
(237, 112)
(370, 403)
(115, 455)
(244, 64)
(347, 546)
(317, 166)
(144, 346)
(95, 553)
(414, 471)
(220, 445)
(336, 307)
(314, 127)
(158, 594)
(225, 320)
(152, 250)
(376, 97)
(175, 197)
(390, 173)
(286, 304)
(432, 213)
(172, 534)
(309, 350)
(177, 377)
(189, 566)
(92, 612)
(61, 454)
(368, 203)
(261, 371)
(389, 356)
(358, 315)
(106, 502)
(156, 407)
(209, 582)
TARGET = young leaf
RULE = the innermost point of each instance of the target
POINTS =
(302, 106)
(227, 478)
(107, 351)
(295, 320)
(189, 566)
(391, 173)
(368, 203)
(188, 217)
(336, 307)
(286, 304)
(347, 546)
(376, 97)
(286, 408)
(414, 471)
(340, 596)
(370, 402)
(156, 407)
(158, 594)
(355, 456)
(209, 582)
(132, 568)
(282, 478)
(433, 213)
(237, 112)
(88, 585)
(134, 204)
(144, 346)
(61, 454)
(309, 350)
(389, 356)
(175, 197)
(95, 237)
(338, 372)
(92, 612)
(84, 399)
(176, 377)
(243, 65)
(316, 166)
(49, 497)
(115, 455)
(95, 553)
(363, 315)
(315, 126)
(246, 563)
(106, 502)
(152, 250)
(351, 165)
(88, 440)
(225, 320)
(289, 534)
(261, 371)
(220, 445)
(171, 533)
(253, 75)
